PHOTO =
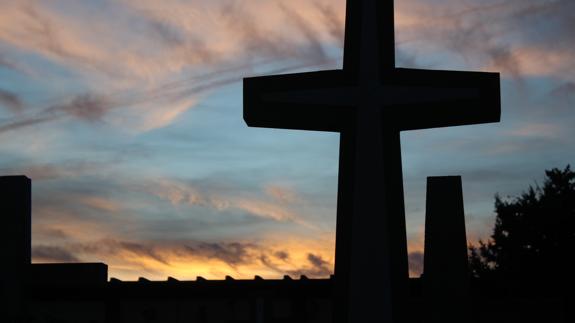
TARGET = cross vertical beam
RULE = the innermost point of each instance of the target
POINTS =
(371, 271)
(374, 20)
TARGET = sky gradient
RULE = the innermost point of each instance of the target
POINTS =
(127, 115)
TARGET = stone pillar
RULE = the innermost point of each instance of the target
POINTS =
(445, 277)
(15, 242)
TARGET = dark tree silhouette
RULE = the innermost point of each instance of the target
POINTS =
(534, 234)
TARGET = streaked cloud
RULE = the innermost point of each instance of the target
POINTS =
(282, 194)
(91, 85)
(157, 74)
(180, 193)
(545, 130)
(49, 254)
(519, 38)
(67, 169)
(101, 204)
(232, 253)
(415, 260)
(11, 101)
(148, 72)
(266, 209)
(187, 259)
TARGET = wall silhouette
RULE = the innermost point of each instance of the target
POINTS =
(67, 293)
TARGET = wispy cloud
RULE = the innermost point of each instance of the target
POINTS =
(24, 122)
(65, 169)
(231, 253)
(279, 208)
(157, 74)
(170, 258)
(564, 95)
(43, 253)
(123, 248)
(519, 38)
(282, 194)
(177, 39)
(542, 130)
(11, 101)
(320, 266)
(333, 20)
(160, 72)
(6, 63)
(100, 204)
(415, 260)
(139, 65)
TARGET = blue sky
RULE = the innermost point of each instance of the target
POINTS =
(127, 115)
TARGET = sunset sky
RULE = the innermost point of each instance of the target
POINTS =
(127, 115)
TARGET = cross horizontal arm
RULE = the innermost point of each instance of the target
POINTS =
(444, 98)
(410, 99)
(264, 104)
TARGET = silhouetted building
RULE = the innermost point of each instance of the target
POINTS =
(72, 293)
(81, 292)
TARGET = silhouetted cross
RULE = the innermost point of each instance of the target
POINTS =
(369, 102)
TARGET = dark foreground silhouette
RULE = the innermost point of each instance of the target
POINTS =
(70, 293)
(369, 102)
(533, 240)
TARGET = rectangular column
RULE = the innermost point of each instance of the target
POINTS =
(445, 275)
(15, 241)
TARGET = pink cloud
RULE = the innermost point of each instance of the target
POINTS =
(140, 55)
(278, 208)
